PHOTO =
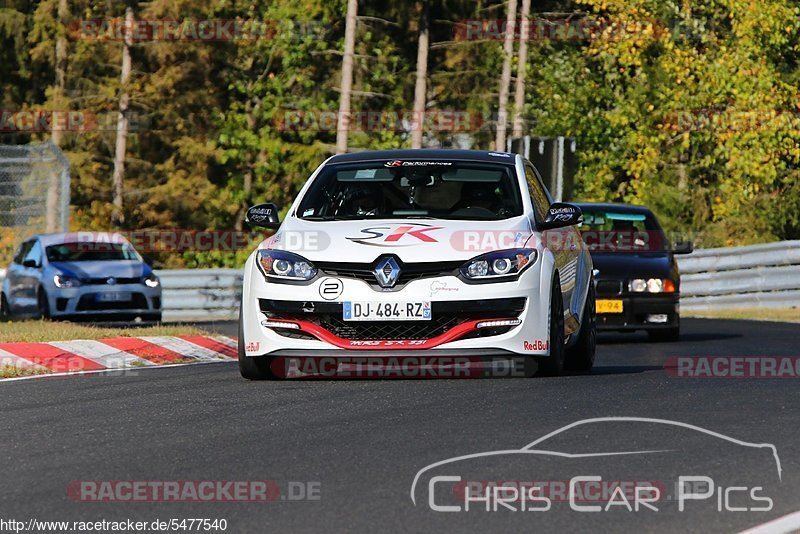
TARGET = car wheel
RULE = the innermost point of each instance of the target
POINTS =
(580, 357)
(43, 304)
(252, 367)
(553, 365)
(5, 309)
(152, 317)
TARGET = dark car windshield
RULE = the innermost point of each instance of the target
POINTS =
(608, 230)
(87, 251)
(413, 189)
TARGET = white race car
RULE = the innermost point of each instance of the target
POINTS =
(449, 252)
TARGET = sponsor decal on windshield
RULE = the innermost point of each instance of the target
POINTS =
(398, 163)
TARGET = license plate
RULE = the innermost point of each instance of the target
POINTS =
(609, 306)
(113, 297)
(387, 311)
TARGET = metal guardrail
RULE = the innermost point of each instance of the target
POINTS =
(758, 276)
(201, 293)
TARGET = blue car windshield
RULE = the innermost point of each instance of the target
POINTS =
(87, 251)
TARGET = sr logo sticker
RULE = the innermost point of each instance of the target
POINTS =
(404, 235)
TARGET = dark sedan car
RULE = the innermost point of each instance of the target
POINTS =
(638, 283)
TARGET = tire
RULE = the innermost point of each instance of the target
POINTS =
(5, 309)
(553, 365)
(252, 367)
(153, 317)
(580, 357)
(43, 304)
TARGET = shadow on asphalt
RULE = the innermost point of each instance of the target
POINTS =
(610, 338)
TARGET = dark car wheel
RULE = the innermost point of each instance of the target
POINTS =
(553, 365)
(43, 304)
(252, 367)
(5, 309)
(580, 357)
(152, 317)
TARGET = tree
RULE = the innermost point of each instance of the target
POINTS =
(522, 65)
(420, 87)
(347, 76)
(122, 118)
(505, 77)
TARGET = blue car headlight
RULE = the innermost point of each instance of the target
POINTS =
(64, 281)
(151, 280)
(499, 264)
(285, 265)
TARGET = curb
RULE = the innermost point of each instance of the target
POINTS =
(81, 356)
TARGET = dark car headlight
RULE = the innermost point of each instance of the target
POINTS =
(285, 265)
(64, 281)
(151, 280)
(499, 264)
(651, 285)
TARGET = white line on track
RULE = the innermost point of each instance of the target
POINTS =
(782, 525)
(130, 371)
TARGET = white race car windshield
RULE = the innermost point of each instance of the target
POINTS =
(413, 189)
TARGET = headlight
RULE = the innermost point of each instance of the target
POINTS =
(501, 263)
(280, 264)
(651, 285)
(61, 280)
(638, 285)
(151, 280)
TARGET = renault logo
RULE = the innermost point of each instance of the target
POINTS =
(387, 272)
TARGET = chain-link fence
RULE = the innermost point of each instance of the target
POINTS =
(34, 189)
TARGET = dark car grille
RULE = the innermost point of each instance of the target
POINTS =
(609, 287)
(104, 280)
(89, 302)
(445, 315)
(408, 271)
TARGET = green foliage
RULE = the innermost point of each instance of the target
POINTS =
(210, 134)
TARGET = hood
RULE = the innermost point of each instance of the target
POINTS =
(627, 266)
(417, 240)
(102, 269)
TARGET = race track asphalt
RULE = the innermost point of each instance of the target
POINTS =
(360, 443)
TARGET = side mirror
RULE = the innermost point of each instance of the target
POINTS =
(148, 260)
(683, 247)
(263, 215)
(30, 264)
(562, 214)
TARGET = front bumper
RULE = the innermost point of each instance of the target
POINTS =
(639, 312)
(457, 311)
(86, 301)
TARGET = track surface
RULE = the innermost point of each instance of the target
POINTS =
(364, 441)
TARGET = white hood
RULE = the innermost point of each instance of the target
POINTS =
(415, 240)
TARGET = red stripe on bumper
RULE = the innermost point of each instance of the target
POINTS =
(451, 335)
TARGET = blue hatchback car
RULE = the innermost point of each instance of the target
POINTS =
(84, 274)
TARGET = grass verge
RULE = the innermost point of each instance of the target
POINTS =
(42, 331)
(786, 315)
